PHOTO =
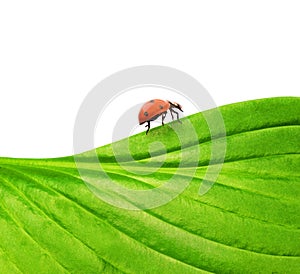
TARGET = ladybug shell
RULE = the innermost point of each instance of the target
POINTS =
(152, 109)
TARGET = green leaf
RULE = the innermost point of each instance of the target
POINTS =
(248, 221)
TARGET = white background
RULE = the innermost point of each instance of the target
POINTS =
(52, 53)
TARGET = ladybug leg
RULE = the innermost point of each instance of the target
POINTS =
(163, 116)
(177, 116)
(148, 126)
(171, 111)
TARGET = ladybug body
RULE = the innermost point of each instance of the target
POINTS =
(152, 109)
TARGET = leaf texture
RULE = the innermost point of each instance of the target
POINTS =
(249, 221)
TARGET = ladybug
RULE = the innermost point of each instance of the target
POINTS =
(152, 109)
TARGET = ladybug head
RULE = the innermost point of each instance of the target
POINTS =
(176, 105)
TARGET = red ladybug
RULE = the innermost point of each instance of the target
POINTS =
(152, 109)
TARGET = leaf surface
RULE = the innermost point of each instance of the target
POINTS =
(249, 220)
